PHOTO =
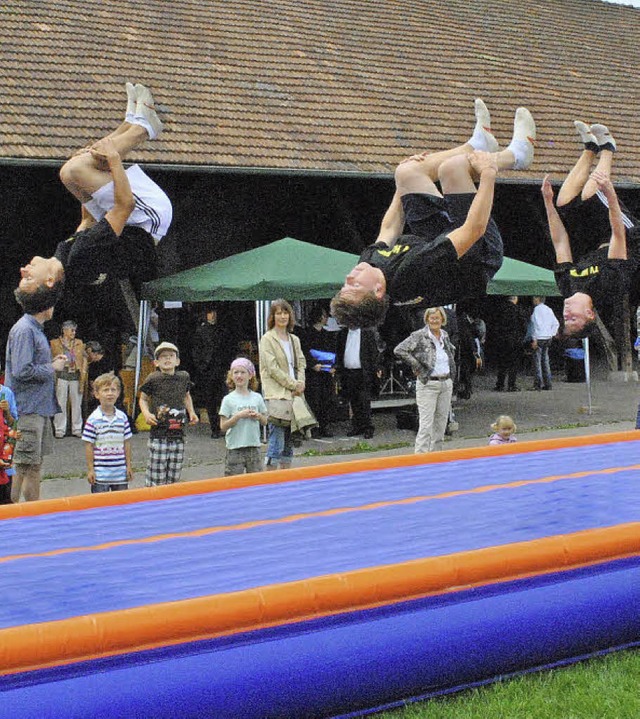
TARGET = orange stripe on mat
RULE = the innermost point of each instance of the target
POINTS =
(90, 501)
(37, 646)
(205, 531)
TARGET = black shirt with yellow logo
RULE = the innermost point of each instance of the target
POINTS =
(603, 279)
(429, 270)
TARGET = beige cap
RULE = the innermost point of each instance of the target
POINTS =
(165, 346)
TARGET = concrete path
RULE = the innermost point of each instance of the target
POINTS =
(539, 415)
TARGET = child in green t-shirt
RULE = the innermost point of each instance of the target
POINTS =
(242, 412)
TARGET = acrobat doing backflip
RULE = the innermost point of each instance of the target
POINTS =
(587, 211)
(454, 247)
(124, 213)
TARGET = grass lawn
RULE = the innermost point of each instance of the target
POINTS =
(603, 688)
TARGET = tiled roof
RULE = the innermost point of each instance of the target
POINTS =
(318, 85)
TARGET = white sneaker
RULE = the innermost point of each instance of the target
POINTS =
(524, 135)
(603, 137)
(145, 114)
(132, 98)
(483, 138)
(587, 137)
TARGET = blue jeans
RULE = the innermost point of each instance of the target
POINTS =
(100, 487)
(279, 446)
(543, 368)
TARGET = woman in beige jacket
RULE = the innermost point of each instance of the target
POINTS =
(70, 380)
(282, 366)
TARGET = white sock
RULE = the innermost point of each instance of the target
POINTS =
(522, 152)
(131, 104)
(482, 140)
(143, 122)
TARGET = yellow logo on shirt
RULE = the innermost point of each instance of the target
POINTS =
(395, 250)
(593, 270)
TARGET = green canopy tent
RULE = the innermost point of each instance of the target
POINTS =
(299, 270)
(285, 268)
(521, 278)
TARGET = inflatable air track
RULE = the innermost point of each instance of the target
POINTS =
(321, 592)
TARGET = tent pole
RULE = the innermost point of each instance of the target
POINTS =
(262, 309)
(142, 342)
(587, 371)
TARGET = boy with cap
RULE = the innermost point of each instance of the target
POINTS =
(166, 404)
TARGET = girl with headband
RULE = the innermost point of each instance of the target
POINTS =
(242, 412)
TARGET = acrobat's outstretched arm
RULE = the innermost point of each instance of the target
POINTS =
(485, 166)
(392, 222)
(559, 234)
(123, 200)
(618, 242)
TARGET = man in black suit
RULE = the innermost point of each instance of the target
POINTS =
(512, 329)
(358, 364)
(211, 352)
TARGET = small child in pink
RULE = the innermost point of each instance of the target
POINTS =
(504, 428)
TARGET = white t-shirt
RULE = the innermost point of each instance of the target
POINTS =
(288, 350)
(352, 350)
(441, 366)
(543, 324)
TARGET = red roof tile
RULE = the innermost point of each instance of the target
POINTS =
(318, 85)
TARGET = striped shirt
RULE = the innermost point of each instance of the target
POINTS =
(628, 222)
(108, 435)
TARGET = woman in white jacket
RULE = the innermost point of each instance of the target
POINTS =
(430, 355)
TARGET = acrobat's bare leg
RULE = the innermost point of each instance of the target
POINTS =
(420, 172)
(456, 174)
(83, 174)
(575, 181)
(607, 147)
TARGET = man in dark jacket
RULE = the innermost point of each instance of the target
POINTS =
(512, 328)
(358, 363)
(211, 358)
(318, 346)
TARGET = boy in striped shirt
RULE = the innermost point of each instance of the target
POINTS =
(107, 437)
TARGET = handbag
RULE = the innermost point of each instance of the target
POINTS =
(303, 417)
(280, 412)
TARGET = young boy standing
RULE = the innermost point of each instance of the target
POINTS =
(166, 404)
(107, 437)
